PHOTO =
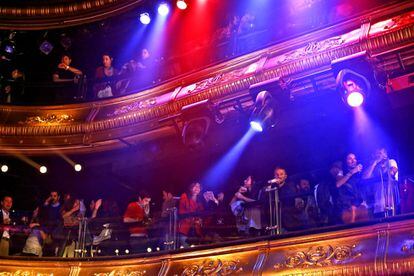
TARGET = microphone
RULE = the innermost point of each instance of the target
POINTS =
(271, 181)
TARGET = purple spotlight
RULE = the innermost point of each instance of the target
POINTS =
(256, 126)
(145, 18)
(181, 4)
(163, 9)
(355, 99)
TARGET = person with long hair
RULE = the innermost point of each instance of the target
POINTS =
(189, 208)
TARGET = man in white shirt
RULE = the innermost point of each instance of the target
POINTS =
(6, 205)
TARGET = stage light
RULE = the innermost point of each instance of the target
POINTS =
(256, 126)
(77, 167)
(163, 9)
(355, 99)
(181, 4)
(4, 168)
(149, 249)
(197, 119)
(46, 47)
(263, 114)
(354, 87)
(145, 18)
(126, 251)
(158, 249)
(43, 169)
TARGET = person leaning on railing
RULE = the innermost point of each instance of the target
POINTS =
(67, 74)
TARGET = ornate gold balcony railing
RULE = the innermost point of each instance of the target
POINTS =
(96, 126)
(384, 248)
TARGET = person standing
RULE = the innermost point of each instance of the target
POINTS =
(189, 208)
(6, 222)
(136, 217)
(350, 200)
(383, 192)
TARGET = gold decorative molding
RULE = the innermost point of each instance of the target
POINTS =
(122, 272)
(18, 16)
(25, 273)
(212, 267)
(49, 119)
(352, 251)
(317, 256)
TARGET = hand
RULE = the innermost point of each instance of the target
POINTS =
(31, 225)
(48, 200)
(63, 66)
(6, 221)
(357, 169)
(76, 206)
(98, 204)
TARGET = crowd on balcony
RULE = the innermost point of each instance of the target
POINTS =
(351, 193)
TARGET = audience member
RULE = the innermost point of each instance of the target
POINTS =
(245, 208)
(137, 217)
(104, 78)
(350, 198)
(305, 214)
(213, 217)
(52, 221)
(6, 224)
(286, 192)
(383, 193)
(189, 208)
(70, 213)
(64, 72)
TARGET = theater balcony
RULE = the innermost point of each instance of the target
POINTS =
(217, 111)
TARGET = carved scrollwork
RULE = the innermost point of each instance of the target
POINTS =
(212, 267)
(319, 256)
(24, 273)
(49, 119)
(121, 272)
(133, 107)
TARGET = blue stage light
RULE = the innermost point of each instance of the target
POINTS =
(163, 9)
(256, 126)
(145, 18)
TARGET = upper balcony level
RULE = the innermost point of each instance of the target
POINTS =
(302, 66)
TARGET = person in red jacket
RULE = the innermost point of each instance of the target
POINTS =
(136, 216)
(189, 209)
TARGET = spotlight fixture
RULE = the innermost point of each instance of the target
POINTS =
(354, 78)
(46, 47)
(145, 18)
(354, 87)
(149, 249)
(256, 126)
(181, 4)
(77, 167)
(43, 169)
(263, 114)
(4, 168)
(163, 9)
(197, 119)
(194, 132)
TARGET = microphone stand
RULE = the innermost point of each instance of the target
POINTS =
(275, 211)
(390, 193)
